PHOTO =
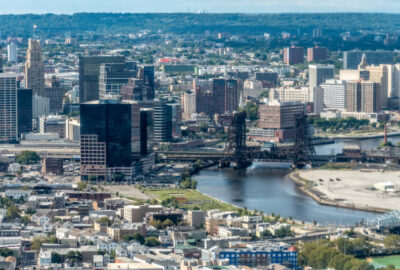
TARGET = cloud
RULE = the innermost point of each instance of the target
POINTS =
(251, 6)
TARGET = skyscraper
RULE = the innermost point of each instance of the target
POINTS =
(363, 96)
(8, 108)
(293, 55)
(24, 110)
(113, 76)
(218, 91)
(34, 68)
(231, 96)
(106, 140)
(1, 59)
(89, 72)
(12, 52)
(352, 59)
(319, 74)
(317, 54)
(162, 121)
(55, 93)
(334, 94)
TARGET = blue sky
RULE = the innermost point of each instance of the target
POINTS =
(250, 6)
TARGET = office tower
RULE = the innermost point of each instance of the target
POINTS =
(55, 93)
(334, 94)
(317, 32)
(134, 89)
(41, 106)
(24, 110)
(317, 99)
(370, 97)
(317, 54)
(112, 77)
(176, 120)
(12, 52)
(379, 74)
(106, 140)
(351, 59)
(162, 121)
(393, 81)
(271, 77)
(218, 91)
(146, 73)
(144, 124)
(319, 74)
(34, 68)
(8, 108)
(188, 101)
(1, 59)
(278, 120)
(293, 55)
(231, 96)
(89, 72)
(73, 129)
(363, 96)
(204, 96)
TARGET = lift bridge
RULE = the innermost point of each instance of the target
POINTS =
(300, 153)
(386, 221)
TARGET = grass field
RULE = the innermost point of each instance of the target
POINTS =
(379, 262)
(193, 199)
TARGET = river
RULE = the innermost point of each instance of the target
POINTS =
(266, 187)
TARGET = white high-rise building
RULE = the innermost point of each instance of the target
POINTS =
(319, 74)
(12, 52)
(8, 107)
(334, 94)
(188, 102)
(393, 82)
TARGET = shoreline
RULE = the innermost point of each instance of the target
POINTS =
(317, 196)
(363, 137)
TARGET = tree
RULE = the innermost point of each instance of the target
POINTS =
(203, 127)
(136, 236)
(82, 186)
(56, 258)
(12, 212)
(5, 252)
(104, 220)
(27, 157)
(392, 242)
(167, 223)
(30, 211)
(152, 242)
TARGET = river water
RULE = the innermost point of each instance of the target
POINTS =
(266, 187)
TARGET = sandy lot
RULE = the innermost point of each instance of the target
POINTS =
(354, 187)
(127, 191)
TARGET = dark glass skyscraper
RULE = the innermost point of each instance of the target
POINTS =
(24, 110)
(162, 121)
(106, 139)
(89, 72)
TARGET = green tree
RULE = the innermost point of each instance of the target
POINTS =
(392, 242)
(12, 212)
(56, 258)
(82, 186)
(136, 236)
(167, 223)
(27, 157)
(152, 242)
(5, 252)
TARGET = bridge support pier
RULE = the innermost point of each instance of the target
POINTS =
(241, 164)
(224, 164)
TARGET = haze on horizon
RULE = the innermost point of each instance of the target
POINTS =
(215, 6)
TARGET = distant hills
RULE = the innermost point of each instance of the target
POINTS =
(51, 24)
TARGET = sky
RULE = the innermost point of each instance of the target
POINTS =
(247, 6)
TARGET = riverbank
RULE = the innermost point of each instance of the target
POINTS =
(353, 190)
(357, 136)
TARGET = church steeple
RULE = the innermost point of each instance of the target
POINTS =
(363, 63)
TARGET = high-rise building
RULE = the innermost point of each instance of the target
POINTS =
(146, 73)
(8, 108)
(89, 72)
(1, 59)
(204, 96)
(113, 76)
(317, 32)
(106, 140)
(218, 91)
(24, 110)
(225, 96)
(351, 59)
(55, 93)
(162, 121)
(188, 101)
(176, 120)
(12, 52)
(379, 74)
(319, 74)
(293, 55)
(231, 96)
(317, 54)
(271, 77)
(334, 94)
(363, 96)
(34, 68)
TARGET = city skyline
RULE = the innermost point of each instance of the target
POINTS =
(218, 6)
